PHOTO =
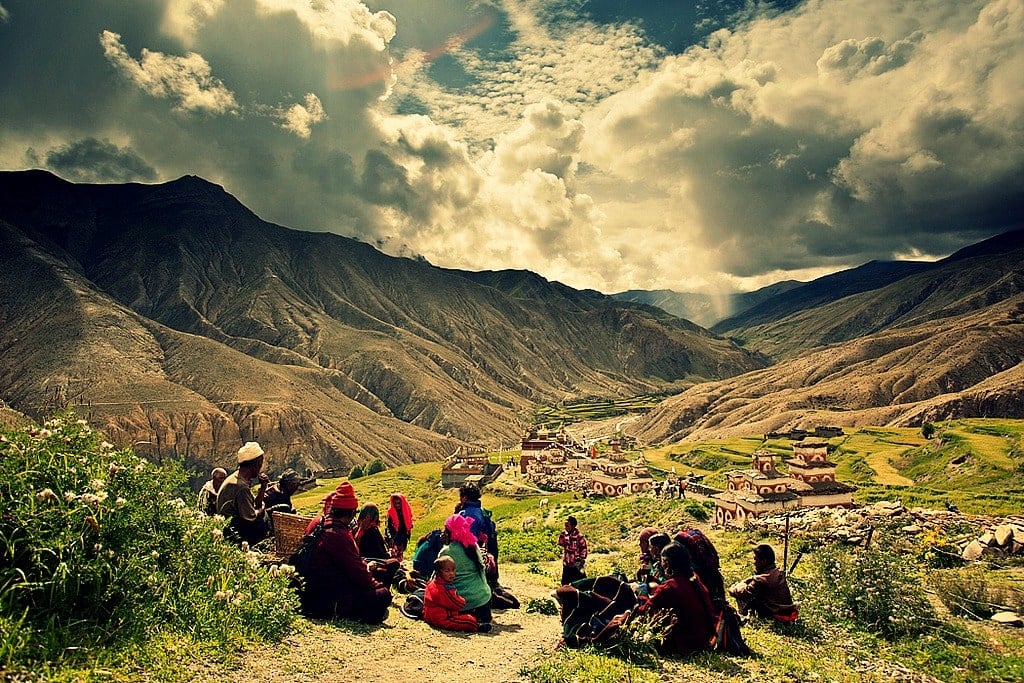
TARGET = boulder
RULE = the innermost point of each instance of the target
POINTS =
(973, 551)
(1008, 619)
(912, 529)
(987, 538)
(1003, 535)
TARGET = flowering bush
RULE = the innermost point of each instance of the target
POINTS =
(98, 549)
(874, 589)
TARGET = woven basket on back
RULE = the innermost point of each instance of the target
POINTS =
(288, 532)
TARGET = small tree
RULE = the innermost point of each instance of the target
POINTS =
(927, 430)
(375, 466)
(356, 472)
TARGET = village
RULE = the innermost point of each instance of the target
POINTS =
(554, 460)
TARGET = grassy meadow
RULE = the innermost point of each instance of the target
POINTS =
(888, 613)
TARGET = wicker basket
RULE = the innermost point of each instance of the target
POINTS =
(288, 532)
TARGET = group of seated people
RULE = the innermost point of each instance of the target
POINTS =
(231, 496)
(353, 567)
(679, 585)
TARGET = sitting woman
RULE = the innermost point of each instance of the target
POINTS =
(644, 571)
(470, 580)
(684, 602)
(372, 547)
(655, 574)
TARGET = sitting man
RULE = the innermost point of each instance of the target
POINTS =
(766, 593)
(279, 494)
(249, 521)
(208, 494)
(338, 583)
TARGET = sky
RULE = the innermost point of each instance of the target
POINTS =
(696, 145)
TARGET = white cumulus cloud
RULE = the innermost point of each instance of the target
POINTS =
(188, 80)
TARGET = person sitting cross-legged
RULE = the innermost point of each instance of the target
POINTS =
(338, 583)
(766, 593)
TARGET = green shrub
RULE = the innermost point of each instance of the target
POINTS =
(700, 511)
(876, 590)
(99, 551)
(356, 472)
(532, 545)
(376, 465)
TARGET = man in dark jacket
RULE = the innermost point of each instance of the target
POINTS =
(766, 593)
(338, 583)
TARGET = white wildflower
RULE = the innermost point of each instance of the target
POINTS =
(46, 495)
(120, 502)
(220, 595)
(177, 503)
(90, 498)
(69, 496)
(218, 535)
(155, 555)
(97, 484)
(245, 546)
(98, 547)
(106, 445)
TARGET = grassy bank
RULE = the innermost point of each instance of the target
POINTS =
(107, 574)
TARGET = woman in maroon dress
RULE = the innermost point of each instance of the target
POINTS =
(685, 600)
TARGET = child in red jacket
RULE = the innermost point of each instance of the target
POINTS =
(441, 604)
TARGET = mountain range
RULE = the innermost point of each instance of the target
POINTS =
(883, 344)
(182, 324)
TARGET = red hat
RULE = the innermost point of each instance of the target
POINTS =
(344, 497)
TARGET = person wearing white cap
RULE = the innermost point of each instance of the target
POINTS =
(236, 501)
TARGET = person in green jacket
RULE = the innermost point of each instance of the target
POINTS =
(460, 544)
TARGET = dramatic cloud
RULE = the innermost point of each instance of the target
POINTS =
(99, 161)
(604, 146)
(186, 80)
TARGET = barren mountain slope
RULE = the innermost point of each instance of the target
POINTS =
(338, 350)
(967, 281)
(966, 366)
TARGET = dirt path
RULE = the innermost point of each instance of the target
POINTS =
(403, 649)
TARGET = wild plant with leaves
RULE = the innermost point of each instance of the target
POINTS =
(100, 552)
(874, 589)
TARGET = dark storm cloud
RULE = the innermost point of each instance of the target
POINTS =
(99, 161)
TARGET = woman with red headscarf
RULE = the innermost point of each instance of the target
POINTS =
(399, 525)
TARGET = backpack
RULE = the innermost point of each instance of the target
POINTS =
(727, 634)
(426, 552)
(302, 557)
